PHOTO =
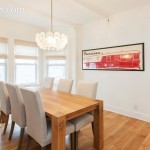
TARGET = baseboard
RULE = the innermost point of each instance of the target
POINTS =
(133, 114)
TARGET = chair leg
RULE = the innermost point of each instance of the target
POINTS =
(12, 129)
(92, 127)
(76, 140)
(72, 141)
(43, 148)
(6, 123)
(28, 142)
(21, 138)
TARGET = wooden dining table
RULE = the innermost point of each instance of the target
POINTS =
(61, 107)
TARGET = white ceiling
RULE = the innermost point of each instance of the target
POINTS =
(68, 12)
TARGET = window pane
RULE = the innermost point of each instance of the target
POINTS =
(3, 48)
(57, 68)
(2, 72)
(54, 62)
(56, 71)
(25, 74)
(2, 61)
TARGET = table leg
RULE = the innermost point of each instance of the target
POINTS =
(3, 118)
(58, 133)
(99, 127)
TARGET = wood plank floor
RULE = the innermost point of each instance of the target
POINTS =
(121, 133)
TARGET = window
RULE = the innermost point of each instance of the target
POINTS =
(56, 67)
(3, 59)
(26, 63)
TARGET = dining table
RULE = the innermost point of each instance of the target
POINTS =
(61, 107)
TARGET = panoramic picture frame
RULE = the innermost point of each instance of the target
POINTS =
(117, 58)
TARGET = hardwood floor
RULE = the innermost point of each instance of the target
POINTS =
(121, 133)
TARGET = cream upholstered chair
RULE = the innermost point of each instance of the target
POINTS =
(37, 126)
(65, 85)
(17, 111)
(87, 89)
(5, 103)
(48, 82)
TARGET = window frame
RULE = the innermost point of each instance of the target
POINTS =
(26, 57)
(55, 65)
(6, 67)
(4, 56)
(51, 58)
(36, 73)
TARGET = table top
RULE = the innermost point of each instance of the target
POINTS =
(63, 104)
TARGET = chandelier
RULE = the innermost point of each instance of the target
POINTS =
(51, 41)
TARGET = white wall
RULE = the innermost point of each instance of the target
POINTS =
(125, 92)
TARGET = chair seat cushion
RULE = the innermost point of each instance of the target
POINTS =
(70, 128)
(82, 121)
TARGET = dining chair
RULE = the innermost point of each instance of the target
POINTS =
(65, 85)
(48, 82)
(38, 127)
(5, 104)
(87, 89)
(17, 111)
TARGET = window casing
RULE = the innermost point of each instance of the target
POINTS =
(3, 59)
(26, 63)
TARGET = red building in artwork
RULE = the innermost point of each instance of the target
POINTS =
(130, 60)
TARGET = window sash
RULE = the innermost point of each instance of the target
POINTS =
(51, 65)
(24, 64)
(3, 55)
(5, 73)
(22, 54)
(56, 57)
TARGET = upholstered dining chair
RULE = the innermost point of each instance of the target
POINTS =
(87, 89)
(5, 104)
(17, 111)
(65, 85)
(38, 127)
(48, 82)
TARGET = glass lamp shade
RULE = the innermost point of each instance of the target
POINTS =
(51, 41)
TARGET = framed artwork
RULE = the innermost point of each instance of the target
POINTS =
(120, 58)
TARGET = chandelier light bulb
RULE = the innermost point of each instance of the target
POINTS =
(50, 41)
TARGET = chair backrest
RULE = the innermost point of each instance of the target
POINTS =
(4, 99)
(48, 82)
(65, 85)
(88, 89)
(35, 115)
(17, 105)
